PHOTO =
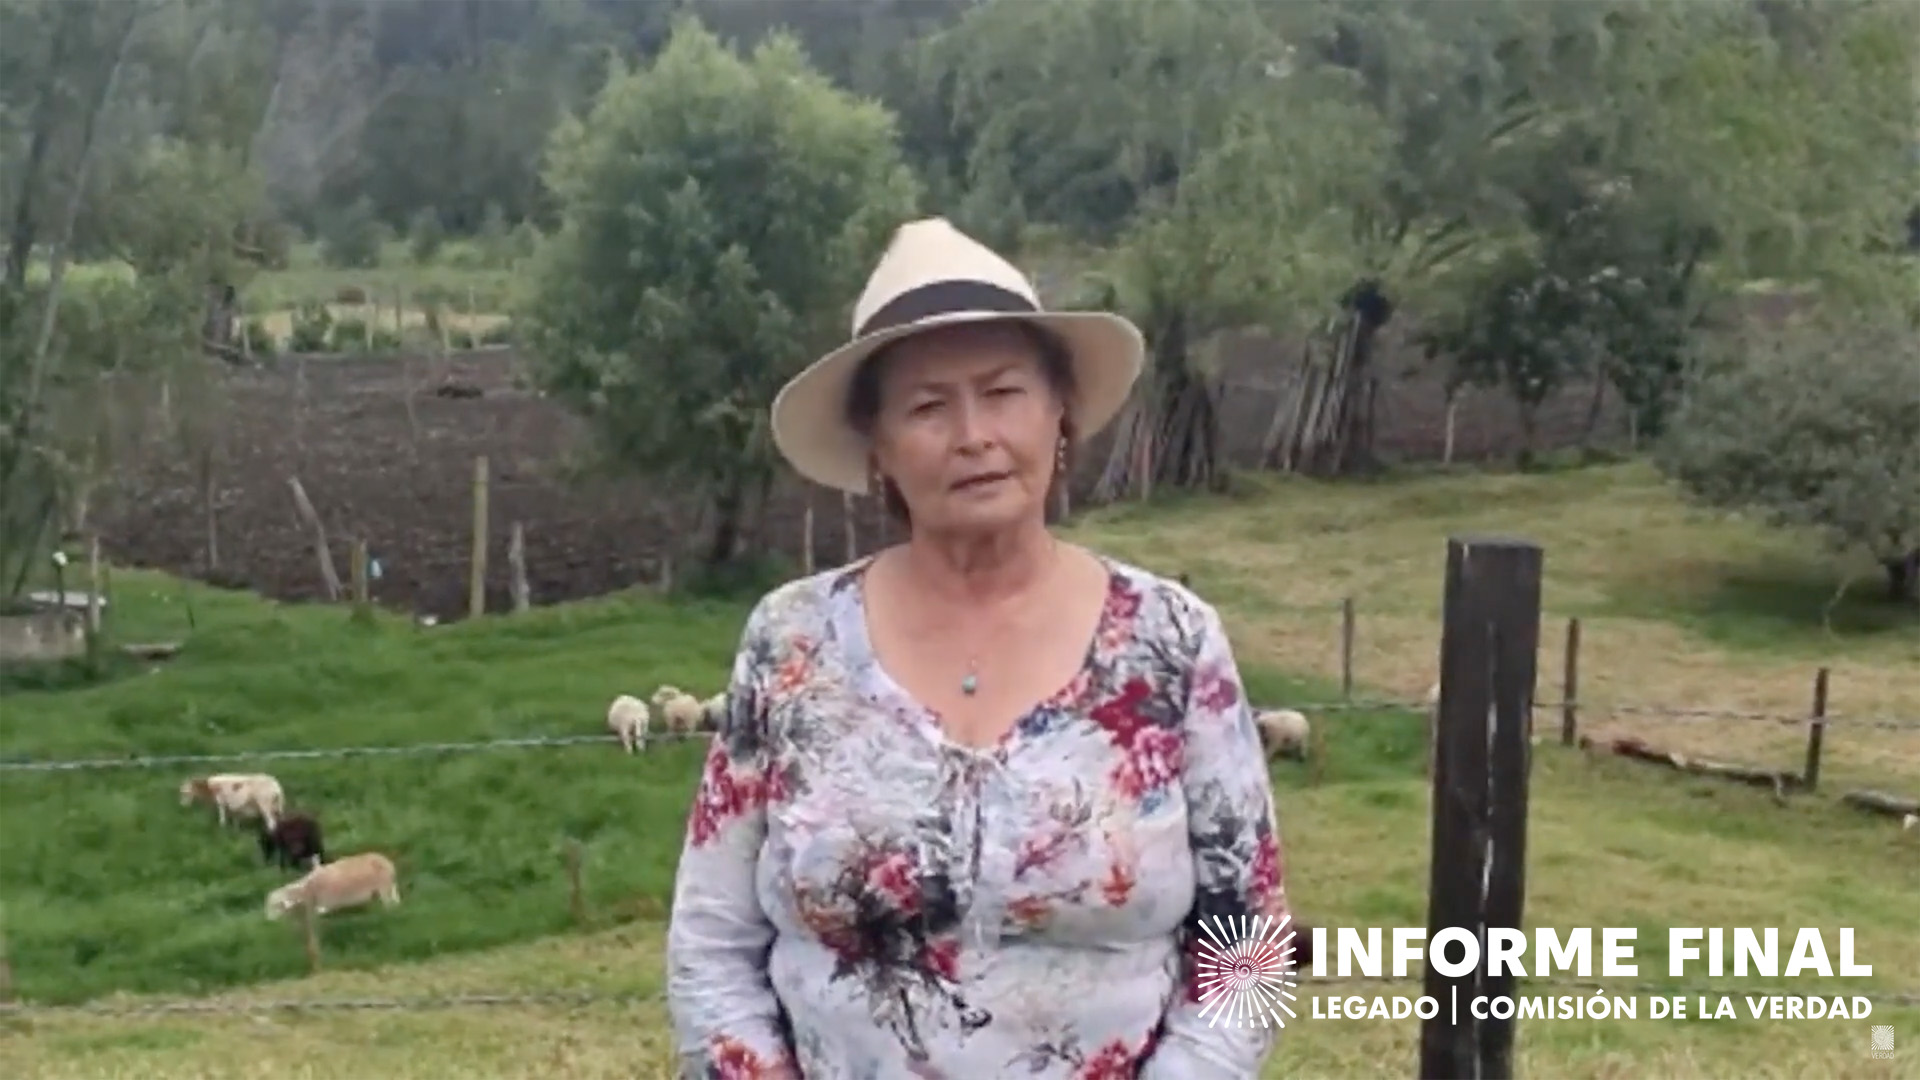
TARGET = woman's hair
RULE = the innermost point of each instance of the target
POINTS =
(1056, 367)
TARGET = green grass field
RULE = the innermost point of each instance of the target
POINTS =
(110, 885)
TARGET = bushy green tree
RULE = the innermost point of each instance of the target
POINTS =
(717, 214)
(352, 236)
(1817, 425)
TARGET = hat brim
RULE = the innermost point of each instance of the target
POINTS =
(809, 420)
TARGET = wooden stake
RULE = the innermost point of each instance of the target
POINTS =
(1570, 687)
(1477, 880)
(576, 896)
(328, 575)
(806, 537)
(94, 584)
(517, 567)
(1816, 730)
(210, 507)
(1346, 648)
(6, 961)
(477, 577)
(310, 924)
(362, 592)
(846, 511)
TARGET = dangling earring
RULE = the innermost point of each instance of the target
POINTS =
(1060, 455)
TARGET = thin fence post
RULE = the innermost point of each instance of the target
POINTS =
(477, 575)
(1816, 729)
(1346, 649)
(310, 927)
(362, 593)
(1570, 687)
(576, 896)
(517, 567)
(806, 537)
(846, 511)
(1477, 879)
(6, 960)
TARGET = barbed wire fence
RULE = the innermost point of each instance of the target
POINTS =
(1304, 982)
(1346, 706)
(541, 742)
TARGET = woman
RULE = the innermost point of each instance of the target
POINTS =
(975, 793)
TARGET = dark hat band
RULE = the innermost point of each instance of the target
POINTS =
(945, 298)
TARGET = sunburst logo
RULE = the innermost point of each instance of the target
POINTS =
(1246, 970)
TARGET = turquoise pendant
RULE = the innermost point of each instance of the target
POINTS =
(968, 685)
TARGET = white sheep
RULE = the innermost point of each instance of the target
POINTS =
(713, 711)
(681, 710)
(627, 718)
(1283, 732)
(1910, 822)
(342, 883)
(237, 795)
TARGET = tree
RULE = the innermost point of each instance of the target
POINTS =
(1817, 425)
(717, 215)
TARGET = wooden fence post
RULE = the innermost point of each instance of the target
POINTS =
(1346, 649)
(94, 584)
(576, 897)
(477, 574)
(310, 926)
(1477, 881)
(304, 505)
(1816, 730)
(806, 537)
(362, 592)
(517, 567)
(6, 961)
(846, 510)
(1570, 688)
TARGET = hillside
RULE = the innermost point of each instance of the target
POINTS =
(116, 887)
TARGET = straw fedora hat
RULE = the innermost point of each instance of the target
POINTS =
(935, 275)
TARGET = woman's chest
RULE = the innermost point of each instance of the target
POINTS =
(1072, 828)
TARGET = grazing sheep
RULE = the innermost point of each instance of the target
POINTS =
(681, 710)
(1283, 733)
(627, 717)
(236, 795)
(293, 841)
(1910, 822)
(345, 883)
(713, 711)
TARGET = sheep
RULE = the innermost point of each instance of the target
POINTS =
(1910, 823)
(627, 718)
(344, 883)
(236, 795)
(681, 710)
(713, 711)
(294, 841)
(1283, 733)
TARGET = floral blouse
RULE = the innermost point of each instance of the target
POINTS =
(860, 898)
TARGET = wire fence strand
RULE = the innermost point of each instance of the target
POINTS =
(534, 742)
(1305, 983)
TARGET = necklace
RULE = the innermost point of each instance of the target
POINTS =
(970, 682)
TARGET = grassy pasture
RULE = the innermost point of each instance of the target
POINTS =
(115, 887)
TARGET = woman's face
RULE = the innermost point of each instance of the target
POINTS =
(968, 427)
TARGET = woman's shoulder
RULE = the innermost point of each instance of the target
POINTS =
(801, 607)
(1161, 601)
